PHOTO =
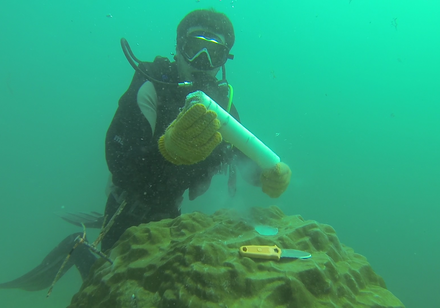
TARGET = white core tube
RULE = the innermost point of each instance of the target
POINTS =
(232, 131)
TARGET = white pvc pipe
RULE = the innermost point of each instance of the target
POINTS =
(232, 131)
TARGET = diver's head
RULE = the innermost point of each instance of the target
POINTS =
(204, 39)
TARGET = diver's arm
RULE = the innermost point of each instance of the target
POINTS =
(147, 102)
(273, 181)
(249, 169)
(130, 149)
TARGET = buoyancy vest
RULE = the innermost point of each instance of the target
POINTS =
(161, 182)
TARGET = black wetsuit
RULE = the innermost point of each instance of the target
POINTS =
(152, 186)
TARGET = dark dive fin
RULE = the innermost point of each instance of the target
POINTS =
(90, 220)
(42, 276)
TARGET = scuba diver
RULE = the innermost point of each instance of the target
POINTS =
(155, 151)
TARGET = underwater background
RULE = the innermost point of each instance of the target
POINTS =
(345, 92)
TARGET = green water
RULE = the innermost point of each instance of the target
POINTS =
(347, 93)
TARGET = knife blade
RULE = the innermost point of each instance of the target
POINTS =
(272, 252)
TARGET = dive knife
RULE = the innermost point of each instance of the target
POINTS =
(272, 252)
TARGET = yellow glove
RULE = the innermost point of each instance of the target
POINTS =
(191, 137)
(275, 181)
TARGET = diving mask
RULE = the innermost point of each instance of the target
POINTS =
(204, 53)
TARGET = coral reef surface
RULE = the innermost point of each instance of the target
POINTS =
(194, 261)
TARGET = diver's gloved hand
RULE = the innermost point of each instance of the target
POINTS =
(191, 137)
(275, 180)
